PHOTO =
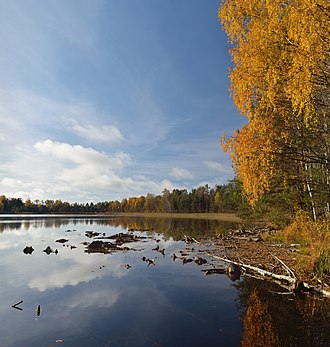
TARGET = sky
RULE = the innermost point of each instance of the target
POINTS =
(106, 99)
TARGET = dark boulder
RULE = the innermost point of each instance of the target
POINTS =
(48, 250)
(28, 250)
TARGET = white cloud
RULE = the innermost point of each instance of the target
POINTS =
(17, 188)
(107, 134)
(91, 168)
(82, 271)
(51, 169)
(26, 116)
(99, 298)
(178, 173)
(82, 156)
(10, 183)
(81, 169)
(8, 244)
(217, 166)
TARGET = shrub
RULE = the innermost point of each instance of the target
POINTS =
(315, 236)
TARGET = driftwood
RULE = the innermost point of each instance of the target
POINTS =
(16, 305)
(264, 273)
(91, 234)
(247, 238)
(149, 261)
(199, 260)
(290, 272)
(221, 271)
(291, 280)
(189, 239)
(140, 229)
(289, 288)
(158, 249)
(312, 289)
(38, 310)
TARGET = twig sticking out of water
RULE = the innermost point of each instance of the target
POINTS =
(148, 261)
(189, 239)
(16, 305)
(38, 310)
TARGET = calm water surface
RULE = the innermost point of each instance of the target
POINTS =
(118, 300)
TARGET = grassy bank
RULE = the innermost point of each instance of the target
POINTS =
(312, 240)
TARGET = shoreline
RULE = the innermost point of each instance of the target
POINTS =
(258, 255)
(263, 249)
(229, 217)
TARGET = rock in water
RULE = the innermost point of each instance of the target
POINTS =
(233, 268)
(62, 240)
(199, 261)
(28, 250)
(234, 272)
(48, 250)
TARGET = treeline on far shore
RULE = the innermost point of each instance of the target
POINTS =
(204, 199)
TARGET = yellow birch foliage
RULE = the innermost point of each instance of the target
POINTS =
(255, 28)
(253, 151)
(279, 81)
(308, 31)
(280, 53)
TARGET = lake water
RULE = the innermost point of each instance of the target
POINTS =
(78, 296)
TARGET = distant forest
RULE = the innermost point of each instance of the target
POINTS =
(221, 198)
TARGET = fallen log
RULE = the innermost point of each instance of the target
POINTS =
(288, 287)
(313, 289)
(254, 269)
(290, 272)
(291, 279)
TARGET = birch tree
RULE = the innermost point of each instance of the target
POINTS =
(280, 80)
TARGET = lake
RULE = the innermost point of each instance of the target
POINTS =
(113, 281)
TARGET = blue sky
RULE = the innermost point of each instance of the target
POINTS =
(106, 99)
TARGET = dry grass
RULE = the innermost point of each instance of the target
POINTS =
(278, 237)
(315, 240)
(229, 217)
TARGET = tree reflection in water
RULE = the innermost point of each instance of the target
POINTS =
(316, 315)
(272, 319)
(258, 327)
(269, 319)
(175, 228)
